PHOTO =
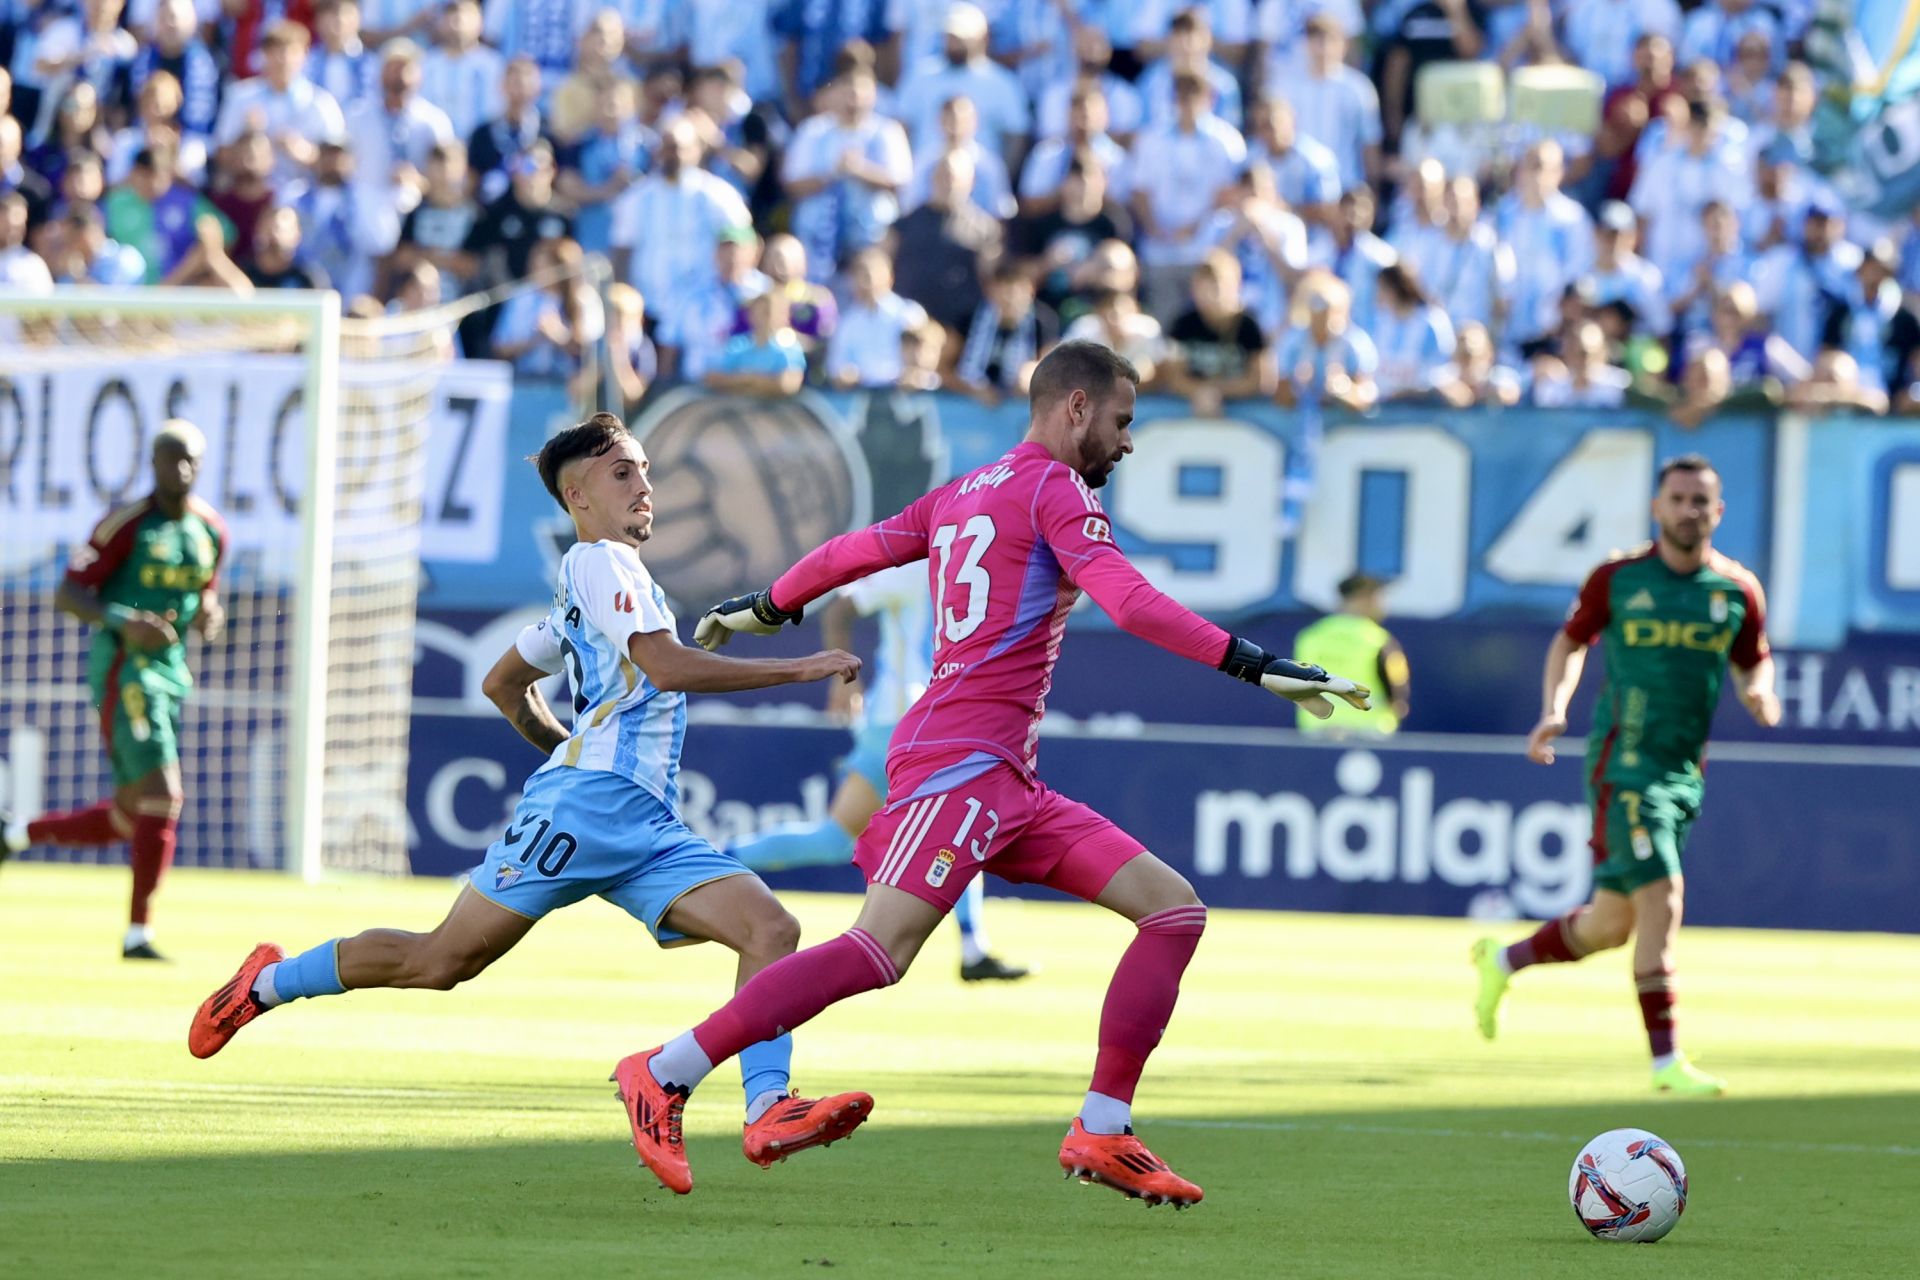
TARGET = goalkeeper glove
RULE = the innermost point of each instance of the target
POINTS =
(1297, 682)
(755, 614)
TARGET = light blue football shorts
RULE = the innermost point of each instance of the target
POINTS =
(868, 758)
(578, 832)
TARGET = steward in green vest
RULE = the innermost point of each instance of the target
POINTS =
(1354, 640)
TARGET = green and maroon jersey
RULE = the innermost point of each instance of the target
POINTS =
(1668, 639)
(143, 558)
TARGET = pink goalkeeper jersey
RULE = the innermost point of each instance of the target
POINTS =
(1009, 548)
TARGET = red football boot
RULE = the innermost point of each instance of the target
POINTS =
(1121, 1162)
(796, 1123)
(655, 1114)
(232, 1006)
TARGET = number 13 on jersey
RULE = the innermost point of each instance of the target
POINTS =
(975, 536)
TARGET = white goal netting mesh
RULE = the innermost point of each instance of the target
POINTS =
(81, 397)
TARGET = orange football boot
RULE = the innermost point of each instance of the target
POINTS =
(796, 1123)
(655, 1113)
(1121, 1162)
(232, 1006)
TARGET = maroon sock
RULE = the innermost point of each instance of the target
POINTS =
(793, 989)
(153, 840)
(1552, 943)
(1141, 997)
(102, 823)
(1656, 1009)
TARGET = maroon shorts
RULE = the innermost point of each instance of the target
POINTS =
(981, 815)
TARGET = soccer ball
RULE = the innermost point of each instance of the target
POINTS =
(1628, 1185)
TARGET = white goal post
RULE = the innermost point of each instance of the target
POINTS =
(300, 758)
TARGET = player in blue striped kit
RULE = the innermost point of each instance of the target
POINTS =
(902, 669)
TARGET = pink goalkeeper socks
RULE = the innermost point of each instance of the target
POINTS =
(1141, 997)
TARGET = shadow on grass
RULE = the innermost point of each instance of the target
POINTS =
(1781, 1187)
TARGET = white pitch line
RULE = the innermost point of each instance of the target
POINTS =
(1513, 1135)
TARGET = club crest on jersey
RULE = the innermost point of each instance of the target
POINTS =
(505, 875)
(1642, 844)
(1717, 607)
(1642, 599)
(942, 865)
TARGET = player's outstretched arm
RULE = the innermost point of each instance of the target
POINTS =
(1566, 661)
(138, 627)
(676, 668)
(1757, 695)
(512, 686)
(1302, 683)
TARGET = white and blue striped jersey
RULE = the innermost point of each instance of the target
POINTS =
(622, 724)
(903, 660)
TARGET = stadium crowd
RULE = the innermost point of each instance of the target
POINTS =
(1240, 195)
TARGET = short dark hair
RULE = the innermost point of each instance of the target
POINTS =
(1091, 367)
(589, 439)
(1358, 584)
(1697, 463)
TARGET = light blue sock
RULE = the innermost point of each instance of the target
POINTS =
(765, 1069)
(797, 844)
(966, 914)
(311, 973)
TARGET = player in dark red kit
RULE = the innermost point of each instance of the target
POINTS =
(1010, 546)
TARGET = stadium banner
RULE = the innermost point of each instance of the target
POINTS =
(74, 441)
(1795, 838)
(1827, 512)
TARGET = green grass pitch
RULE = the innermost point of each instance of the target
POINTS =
(1322, 1080)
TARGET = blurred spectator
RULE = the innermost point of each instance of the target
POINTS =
(391, 135)
(1749, 82)
(738, 32)
(157, 213)
(1704, 388)
(1630, 108)
(1125, 113)
(1675, 182)
(1803, 287)
(17, 179)
(1045, 171)
(1754, 357)
(178, 50)
(665, 227)
(632, 361)
(1783, 191)
(1474, 375)
(1267, 240)
(20, 267)
(1304, 173)
(941, 245)
(1417, 219)
(1720, 262)
(328, 242)
(493, 147)
(82, 185)
(967, 72)
(156, 120)
(1336, 105)
(1873, 328)
(1551, 239)
(699, 331)
(545, 332)
(1472, 272)
(812, 311)
(85, 46)
(82, 253)
(246, 191)
(921, 352)
(1427, 31)
(386, 20)
(1322, 356)
(1215, 350)
(959, 129)
(1115, 320)
(767, 360)
(740, 135)
(1413, 336)
(340, 61)
(1580, 377)
(1789, 114)
(1189, 52)
(1621, 275)
(1111, 266)
(813, 34)
(437, 229)
(459, 73)
(1356, 255)
(1008, 335)
(599, 64)
(865, 350)
(1630, 346)
(529, 212)
(292, 111)
(1713, 32)
(599, 167)
(844, 170)
(1179, 172)
(1836, 384)
(76, 126)
(275, 261)
(1059, 241)
(1610, 37)
(1280, 30)
(206, 264)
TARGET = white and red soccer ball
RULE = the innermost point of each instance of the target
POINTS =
(1628, 1185)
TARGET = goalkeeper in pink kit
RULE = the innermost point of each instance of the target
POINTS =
(1009, 548)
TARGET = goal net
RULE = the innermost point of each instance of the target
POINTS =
(293, 745)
